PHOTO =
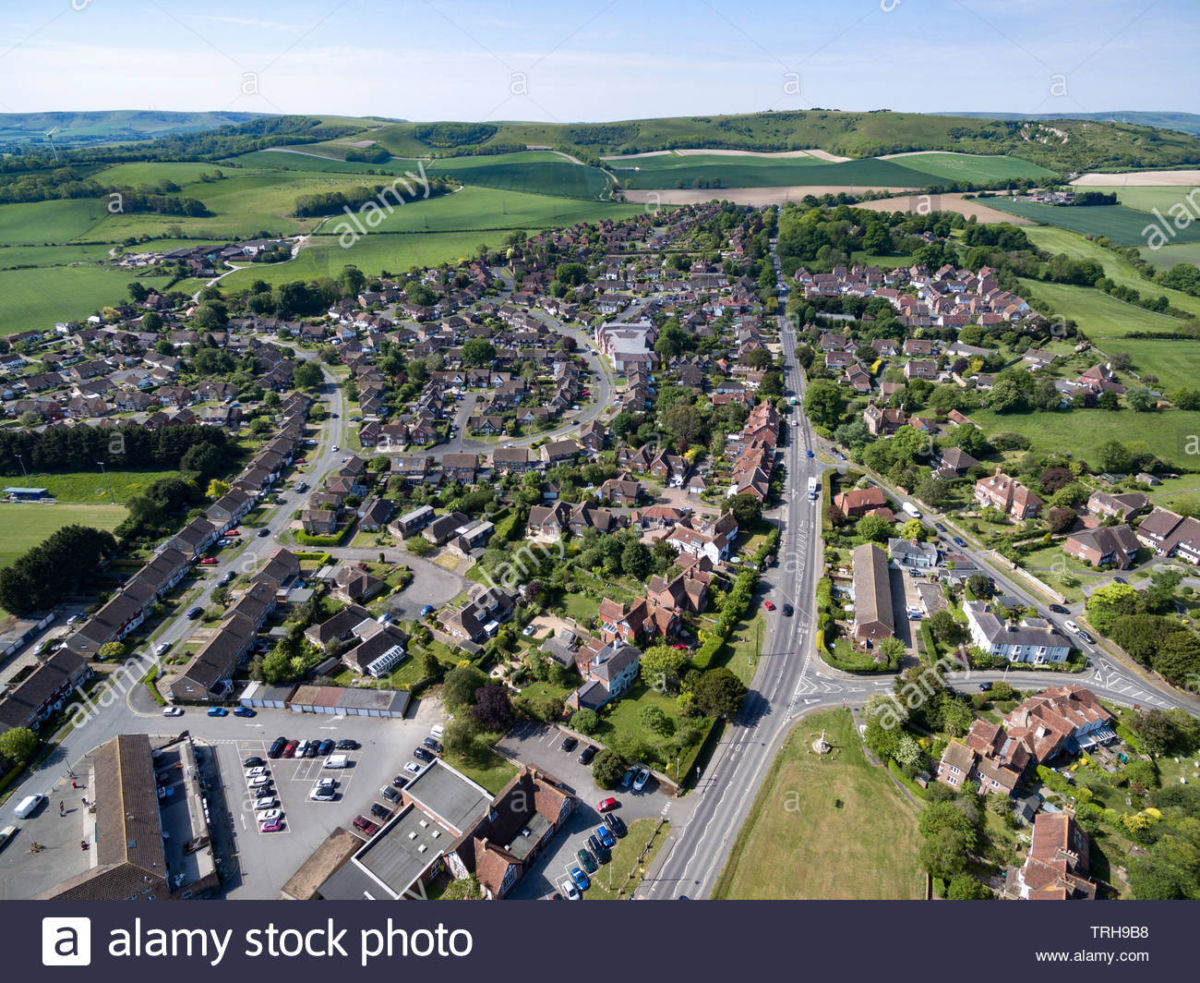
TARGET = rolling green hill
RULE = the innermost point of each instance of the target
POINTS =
(80, 129)
(718, 171)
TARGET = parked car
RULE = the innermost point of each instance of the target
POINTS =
(604, 835)
(260, 782)
(172, 712)
(256, 771)
(643, 776)
(569, 744)
(7, 834)
(268, 801)
(301, 749)
(569, 890)
(1059, 609)
(433, 745)
(365, 825)
(325, 747)
(311, 750)
(161, 648)
(271, 826)
(595, 845)
(254, 761)
(437, 731)
(984, 687)
(428, 609)
(616, 824)
(605, 805)
(195, 613)
(244, 712)
(347, 745)
(1072, 627)
(319, 794)
(262, 793)
(585, 757)
(580, 878)
(276, 748)
(529, 630)
(960, 542)
(389, 793)
(218, 712)
(289, 749)
(412, 767)
(769, 605)
(1084, 636)
(380, 811)
(628, 777)
(208, 561)
(421, 754)
(588, 861)
(807, 453)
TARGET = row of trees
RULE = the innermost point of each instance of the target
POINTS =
(42, 576)
(129, 447)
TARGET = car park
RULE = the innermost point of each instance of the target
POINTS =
(271, 826)
(616, 824)
(643, 776)
(421, 754)
(218, 712)
(585, 756)
(606, 805)
(569, 744)
(580, 878)
(604, 835)
(587, 861)
(412, 767)
(243, 712)
(172, 711)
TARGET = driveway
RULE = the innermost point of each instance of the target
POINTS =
(538, 745)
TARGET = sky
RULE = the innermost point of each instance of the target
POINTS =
(578, 60)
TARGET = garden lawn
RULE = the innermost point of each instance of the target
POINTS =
(493, 773)
(24, 525)
(828, 827)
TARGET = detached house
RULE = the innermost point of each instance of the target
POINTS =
(1007, 495)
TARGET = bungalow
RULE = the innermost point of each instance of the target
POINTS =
(873, 616)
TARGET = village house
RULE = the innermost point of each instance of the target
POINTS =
(1007, 495)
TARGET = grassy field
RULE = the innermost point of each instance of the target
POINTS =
(967, 167)
(535, 171)
(1123, 225)
(1167, 256)
(42, 222)
(828, 827)
(1162, 198)
(673, 170)
(1099, 316)
(1080, 432)
(25, 525)
(631, 858)
(86, 487)
(1116, 267)
(37, 298)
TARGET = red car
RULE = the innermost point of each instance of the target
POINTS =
(234, 532)
(364, 824)
(209, 561)
(289, 749)
(301, 460)
(604, 805)
(769, 605)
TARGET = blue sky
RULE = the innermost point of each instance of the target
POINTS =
(609, 59)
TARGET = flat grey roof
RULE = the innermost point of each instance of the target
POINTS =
(399, 854)
(449, 795)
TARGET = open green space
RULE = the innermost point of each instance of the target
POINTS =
(972, 168)
(25, 524)
(1167, 256)
(825, 826)
(48, 222)
(535, 171)
(40, 297)
(86, 487)
(1123, 225)
(1161, 197)
(1100, 317)
(631, 858)
(1080, 432)
(720, 171)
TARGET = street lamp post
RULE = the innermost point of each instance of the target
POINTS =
(111, 497)
(21, 461)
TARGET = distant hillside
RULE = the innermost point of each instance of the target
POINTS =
(1059, 144)
(1183, 122)
(26, 130)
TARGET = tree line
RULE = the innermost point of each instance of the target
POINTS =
(332, 202)
(130, 447)
(42, 576)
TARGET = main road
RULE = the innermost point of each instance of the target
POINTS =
(791, 679)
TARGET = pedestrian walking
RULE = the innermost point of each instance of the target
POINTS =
(74, 785)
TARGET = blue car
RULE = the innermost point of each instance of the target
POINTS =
(218, 712)
(605, 836)
(808, 453)
(243, 712)
(428, 609)
(580, 879)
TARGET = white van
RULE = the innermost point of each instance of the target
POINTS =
(437, 730)
(27, 805)
(911, 510)
(337, 761)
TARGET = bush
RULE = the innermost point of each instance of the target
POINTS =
(608, 769)
(585, 721)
